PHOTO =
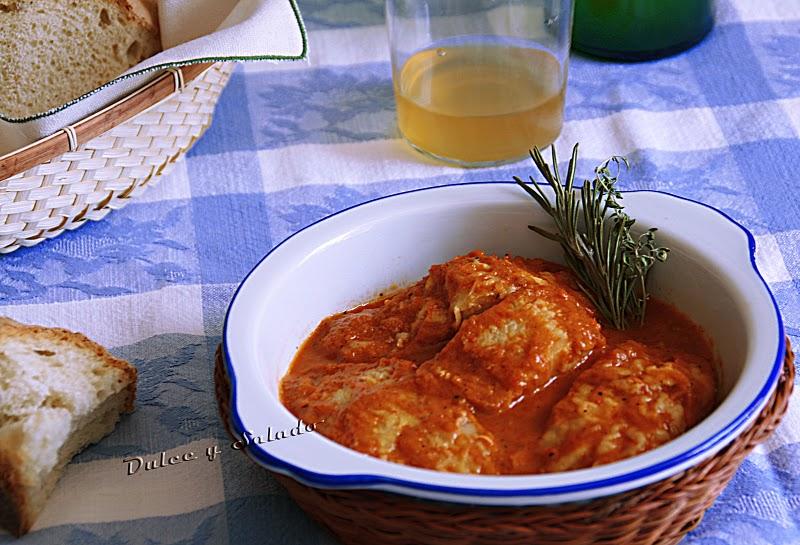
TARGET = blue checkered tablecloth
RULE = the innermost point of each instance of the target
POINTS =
(294, 142)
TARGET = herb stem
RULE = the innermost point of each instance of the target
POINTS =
(610, 263)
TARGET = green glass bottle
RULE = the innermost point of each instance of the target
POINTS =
(635, 30)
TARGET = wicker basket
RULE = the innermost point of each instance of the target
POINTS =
(660, 513)
(103, 161)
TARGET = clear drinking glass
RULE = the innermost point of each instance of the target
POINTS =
(479, 82)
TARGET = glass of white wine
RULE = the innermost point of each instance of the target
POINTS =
(479, 82)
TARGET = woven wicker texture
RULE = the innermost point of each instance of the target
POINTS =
(106, 172)
(660, 513)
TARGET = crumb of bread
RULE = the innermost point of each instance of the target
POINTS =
(53, 51)
(59, 392)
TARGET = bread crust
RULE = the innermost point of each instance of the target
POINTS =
(13, 329)
(16, 511)
(142, 12)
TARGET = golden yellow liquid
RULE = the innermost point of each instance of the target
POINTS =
(480, 103)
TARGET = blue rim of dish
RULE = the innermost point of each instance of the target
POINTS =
(370, 481)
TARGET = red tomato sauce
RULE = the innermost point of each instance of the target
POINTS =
(376, 374)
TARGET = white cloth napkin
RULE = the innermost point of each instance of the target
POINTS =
(238, 30)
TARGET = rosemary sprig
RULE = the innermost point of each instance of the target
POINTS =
(611, 264)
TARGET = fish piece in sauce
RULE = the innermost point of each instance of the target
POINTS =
(398, 423)
(514, 348)
(631, 400)
(407, 322)
(318, 394)
(474, 282)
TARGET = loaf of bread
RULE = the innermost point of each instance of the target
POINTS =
(59, 392)
(53, 51)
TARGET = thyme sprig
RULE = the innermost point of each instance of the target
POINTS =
(611, 263)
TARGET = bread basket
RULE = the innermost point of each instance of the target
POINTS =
(657, 514)
(103, 161)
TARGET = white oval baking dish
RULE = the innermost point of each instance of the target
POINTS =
(349, 257)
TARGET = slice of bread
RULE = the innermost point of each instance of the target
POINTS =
(59, 392)
(53, 51)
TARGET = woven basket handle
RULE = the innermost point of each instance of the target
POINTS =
(169, 82)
